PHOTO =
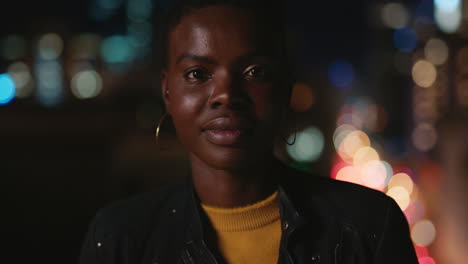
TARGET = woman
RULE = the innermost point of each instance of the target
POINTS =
(226, 87)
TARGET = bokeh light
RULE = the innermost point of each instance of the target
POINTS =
(448, 15)
(426, 260)
(395, 15)
(400, 195)
(447, 5)
(424, 73)
(302, 97)
(365, 155)
(308, 146)
(7, 89)
(349, 174)
(436, 51)
(49, 76)
(13, 47)
(421, 251)
(22, 77)
(341, 74)
(140, 36)
(405, 39)
(423, 233)
(424, 136)
(415, 211)
(109, 4)
(351, 144)
(86, 84)
(117, 50)
(50, 46)
(375, 119)
(403, 180)
(374, 175)
(352, 118)
(139, 10)
(388, 169)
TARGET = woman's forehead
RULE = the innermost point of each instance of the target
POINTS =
(217, 30)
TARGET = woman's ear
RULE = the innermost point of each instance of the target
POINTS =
(165, 91)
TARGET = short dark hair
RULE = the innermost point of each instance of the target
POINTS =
(270, 14)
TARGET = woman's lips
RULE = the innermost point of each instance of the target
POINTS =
(227, 131)
(225, 137)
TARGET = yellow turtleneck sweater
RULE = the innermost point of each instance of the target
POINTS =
(249, 234)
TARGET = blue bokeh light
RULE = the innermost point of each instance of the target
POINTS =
(117, 49)
(447, 5)
(7, 89)
(341, 74)
(405, 39)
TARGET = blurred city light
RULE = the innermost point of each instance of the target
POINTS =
(86, 84)
(424, 137)
(448, 15)
(423, 233)
(101, 10)
(388, 170)
(415, 211)
(349, 174)
(50, 46)
(22, 77)
(7, 89)
(308, 146)
(341, 74)
(140, 36)
(426, 260)
(436, 51)
(139, 10)
(447, 5)
(49, 76)
(365, 155)
(351, 144)
(374, 175)
(109, 4)
(395, 15)
(400, 195)
(13, 47)
(402, 180)
(424, 73)
(405, 39)
(117, 50)
(421, 251)
(302, 97)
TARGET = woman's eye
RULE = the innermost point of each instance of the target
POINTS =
(256, 72)
(197, 75)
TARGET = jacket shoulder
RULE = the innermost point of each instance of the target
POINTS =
(136, 213)
(354, 204)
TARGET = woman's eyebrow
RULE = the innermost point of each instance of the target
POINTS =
(188, 56)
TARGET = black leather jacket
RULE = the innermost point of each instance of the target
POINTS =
(323, 221)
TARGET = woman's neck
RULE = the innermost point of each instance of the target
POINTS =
(227, 188)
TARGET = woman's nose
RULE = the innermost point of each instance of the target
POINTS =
(228, 91)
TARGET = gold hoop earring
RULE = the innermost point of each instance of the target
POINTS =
(294, 140)
(158, 127)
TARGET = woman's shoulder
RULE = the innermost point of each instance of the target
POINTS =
(354, 204)
(136, 213)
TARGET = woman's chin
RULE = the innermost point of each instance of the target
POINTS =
(226, 158)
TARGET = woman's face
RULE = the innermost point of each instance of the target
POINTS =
(221, 87)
